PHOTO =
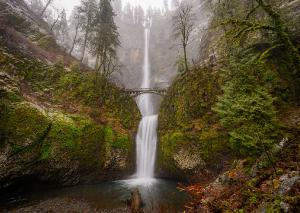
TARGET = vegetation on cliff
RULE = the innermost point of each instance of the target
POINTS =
(226, 119)
(59, 121)
(191, 136)
(57, 115)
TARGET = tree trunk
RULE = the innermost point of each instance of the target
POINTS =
(45, 8)
(54, 23)
(97, 62)
(185, 59)
(84, 45)
(74, 40)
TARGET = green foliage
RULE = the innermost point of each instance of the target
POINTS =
(180, 65)
(80, 87)
(186, 118)
(116, 141)
(105, 39)
(56, 135)
(246, 107)
(76, 86)
(122, 143)
(190, 98)
(262, 25)
(75, 67)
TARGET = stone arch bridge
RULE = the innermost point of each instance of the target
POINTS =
(139, 91)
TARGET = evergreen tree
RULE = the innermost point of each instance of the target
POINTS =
(105, 39)
(87, 11)
(246, 107)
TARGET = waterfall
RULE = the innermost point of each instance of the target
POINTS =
(146, 139)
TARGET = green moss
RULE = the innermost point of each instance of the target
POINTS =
(12, 96)
(101, 125)
(64, 131)
(115, 140)
(22, 124)
(186, 118)
(169, 143)
(45, 152)
(109, 135)
(91, 147)
(121, 142)
(274, 207)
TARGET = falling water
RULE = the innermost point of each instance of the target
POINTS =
(147, 134)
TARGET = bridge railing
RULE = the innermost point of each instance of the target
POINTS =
(139, 91)
(145, 89)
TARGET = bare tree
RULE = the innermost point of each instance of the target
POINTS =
(46, 6)
(77, 23)
(56, 19)
(183, 24)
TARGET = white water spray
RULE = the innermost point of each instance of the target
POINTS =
(147, 134)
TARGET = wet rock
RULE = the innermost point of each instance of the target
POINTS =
(186, 159)
(48, 148)
(285, 207)
(116, 160)
(287, 182)
(266, 207)
(135, 202)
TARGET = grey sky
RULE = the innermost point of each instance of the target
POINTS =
(69, 4)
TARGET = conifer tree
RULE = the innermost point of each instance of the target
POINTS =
(105, 39)
(246, 108)
(87, 11)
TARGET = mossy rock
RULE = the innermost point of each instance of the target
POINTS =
(189, 130)
(94, 135)
(59, 144)
(23, 124)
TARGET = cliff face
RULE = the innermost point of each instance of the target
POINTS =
(56, 123)
(193, 145)
(187, 120)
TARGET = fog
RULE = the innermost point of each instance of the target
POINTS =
(164, 52)
(70, 4)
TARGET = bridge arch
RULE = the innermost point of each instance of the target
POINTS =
(137, 92)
